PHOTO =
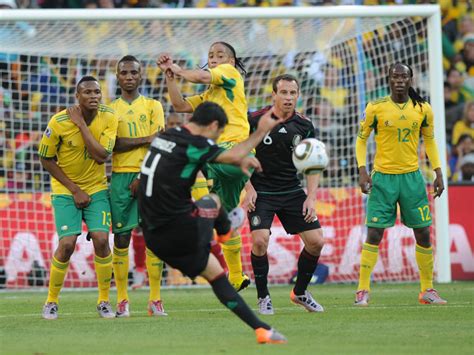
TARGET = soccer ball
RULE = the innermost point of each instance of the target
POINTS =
(310, 156)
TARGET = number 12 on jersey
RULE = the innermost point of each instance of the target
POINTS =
(148, 169)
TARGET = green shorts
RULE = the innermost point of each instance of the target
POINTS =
(408, 190)
(68, 217)
(227, 181)
(124, 207)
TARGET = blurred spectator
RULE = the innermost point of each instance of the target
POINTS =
(464, 147)
(460, 93)
(174, 120)
(467, 168)
(466, 124)
(468, 59)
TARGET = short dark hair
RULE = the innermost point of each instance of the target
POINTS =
(285, 77)
(208, 112)
(128, 58)
(84, 79)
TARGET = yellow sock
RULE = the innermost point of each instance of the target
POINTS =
(56, 279)
(424, 259)
(231, 250)
(120, 265)
(199, 189)
(103, 270)
(368, 259)
(154, 267)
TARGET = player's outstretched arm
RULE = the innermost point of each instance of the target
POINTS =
(240, 151)
(81, 199)
(165, 62)
(96, 151)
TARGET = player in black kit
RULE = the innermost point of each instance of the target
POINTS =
(178, 230)
(277, 190)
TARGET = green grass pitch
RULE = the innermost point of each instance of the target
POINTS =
(394, 323)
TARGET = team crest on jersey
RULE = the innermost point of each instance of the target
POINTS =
(414, 125)
(142, 118)
(47, 133)
(296, 140)
(255, 221)
(388, 123)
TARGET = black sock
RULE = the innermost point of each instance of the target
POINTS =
(229, 298)
(306, 265)
(260, 270)
(222, 223)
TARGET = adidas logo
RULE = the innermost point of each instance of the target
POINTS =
(282, 130)
(130, 112)
(402, 117)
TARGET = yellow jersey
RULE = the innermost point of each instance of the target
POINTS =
(62, 139)
(397, 130)
(227, 90)
(141, 118)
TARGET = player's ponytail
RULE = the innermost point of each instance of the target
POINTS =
(414, 95)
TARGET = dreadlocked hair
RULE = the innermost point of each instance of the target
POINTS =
(414, 95)
(238, 62)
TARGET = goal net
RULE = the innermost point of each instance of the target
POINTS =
(341, 64)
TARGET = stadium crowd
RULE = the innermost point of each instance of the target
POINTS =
(33, 88)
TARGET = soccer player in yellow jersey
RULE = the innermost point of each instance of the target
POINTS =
(226, 88)
(139, 119)
(398, 120)
(73, 149)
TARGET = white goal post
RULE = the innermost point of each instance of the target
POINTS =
(315, 43)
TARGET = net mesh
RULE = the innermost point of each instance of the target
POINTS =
(341, 65)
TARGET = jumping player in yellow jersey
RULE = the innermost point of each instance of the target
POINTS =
(397, 121)
(73, 149)
(226, 88)
(139, 119)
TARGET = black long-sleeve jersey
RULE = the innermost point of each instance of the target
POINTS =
(279, 175)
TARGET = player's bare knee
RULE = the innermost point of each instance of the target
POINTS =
(101, 244)
(422, 236)
(65, 248)
(374, 236)
(122, 240)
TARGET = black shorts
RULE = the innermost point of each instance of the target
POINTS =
(288, 208)
(184, 243)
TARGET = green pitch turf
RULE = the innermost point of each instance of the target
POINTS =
(394, 323)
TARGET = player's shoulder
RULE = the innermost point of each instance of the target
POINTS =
(300, 116)
(259, 113)
(150, 101)
(380, 101)
(115, 103)
(106, 109)
(59, 117)
(228, 69)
